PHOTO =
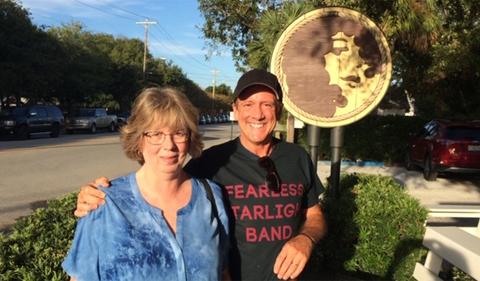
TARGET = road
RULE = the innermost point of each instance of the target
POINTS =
(42, 168)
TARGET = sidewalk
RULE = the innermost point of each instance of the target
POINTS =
(450, 189)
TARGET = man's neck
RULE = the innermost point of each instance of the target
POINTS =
(260, 149)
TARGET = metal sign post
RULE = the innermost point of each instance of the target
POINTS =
(336, 143)
(313, 143)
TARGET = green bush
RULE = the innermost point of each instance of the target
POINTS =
(375, 230)
(38, 243)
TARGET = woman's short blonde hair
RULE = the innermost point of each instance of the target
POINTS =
(166, 106)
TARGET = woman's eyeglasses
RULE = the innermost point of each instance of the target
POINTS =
(157, 137)
(272, 178)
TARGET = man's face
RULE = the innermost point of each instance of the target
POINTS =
(255, 111)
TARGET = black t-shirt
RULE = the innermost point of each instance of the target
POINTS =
(263, 220)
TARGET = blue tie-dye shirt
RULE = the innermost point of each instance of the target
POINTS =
(128, 239)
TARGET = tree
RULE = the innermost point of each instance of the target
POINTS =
(100, 70)
(126, 56)
(16, 27)
(249, 24)
(452, 78)
(233, 24)
(28, 57)
(73, 67)
(434, 44)
(270, 28)
(222, 89)
(84, 70)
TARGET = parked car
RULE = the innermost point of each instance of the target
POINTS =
(202, 120)
(208, 119)
(122, 119)
(445, 146)
(90, 119)
(20, 122)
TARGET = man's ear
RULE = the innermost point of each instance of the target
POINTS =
(235, 110)
(278, 109)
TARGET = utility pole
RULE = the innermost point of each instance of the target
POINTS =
(145, 23)
(214, 72)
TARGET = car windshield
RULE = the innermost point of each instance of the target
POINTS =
(463, 133)
(84, 112)
(16, 111)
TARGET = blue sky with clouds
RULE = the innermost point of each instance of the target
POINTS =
(176, 36)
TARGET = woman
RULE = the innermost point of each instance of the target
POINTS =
(158, 222)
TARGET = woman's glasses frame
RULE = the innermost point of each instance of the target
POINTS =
(158, 137)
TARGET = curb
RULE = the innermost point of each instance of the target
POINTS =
(349, 163)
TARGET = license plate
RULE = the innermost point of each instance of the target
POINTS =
(474, 148)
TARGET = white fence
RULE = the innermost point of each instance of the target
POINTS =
(459, 246)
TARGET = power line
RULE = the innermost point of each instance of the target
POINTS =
(103, 11)
(175, 42)
(125, 10)
(181, 58)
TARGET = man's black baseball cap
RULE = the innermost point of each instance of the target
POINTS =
(258, 77)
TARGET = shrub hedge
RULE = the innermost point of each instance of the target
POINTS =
(375, 231)
(37, 244)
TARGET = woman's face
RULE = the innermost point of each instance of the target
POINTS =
(165, 149)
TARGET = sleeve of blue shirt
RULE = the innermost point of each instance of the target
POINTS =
(81, 262)
(223, 216)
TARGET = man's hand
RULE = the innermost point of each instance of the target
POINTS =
(296, 252)
(90, 197)
(293, 257)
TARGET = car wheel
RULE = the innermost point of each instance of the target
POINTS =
(22, 132)
(429, 172)
(55, 131)
(93, 128)
(112, 127)
(408, 162)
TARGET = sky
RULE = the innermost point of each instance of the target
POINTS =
(176, 36)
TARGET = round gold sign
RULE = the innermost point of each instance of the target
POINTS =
(334, 66)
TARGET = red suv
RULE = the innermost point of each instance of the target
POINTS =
(445, 146)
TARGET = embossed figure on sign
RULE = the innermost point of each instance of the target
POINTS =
(349, 71)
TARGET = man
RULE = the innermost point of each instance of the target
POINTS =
(271, 185)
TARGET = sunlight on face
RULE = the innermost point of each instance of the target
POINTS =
(166, 156)
(256, 115)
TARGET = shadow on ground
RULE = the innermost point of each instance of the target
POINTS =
(5, 229)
